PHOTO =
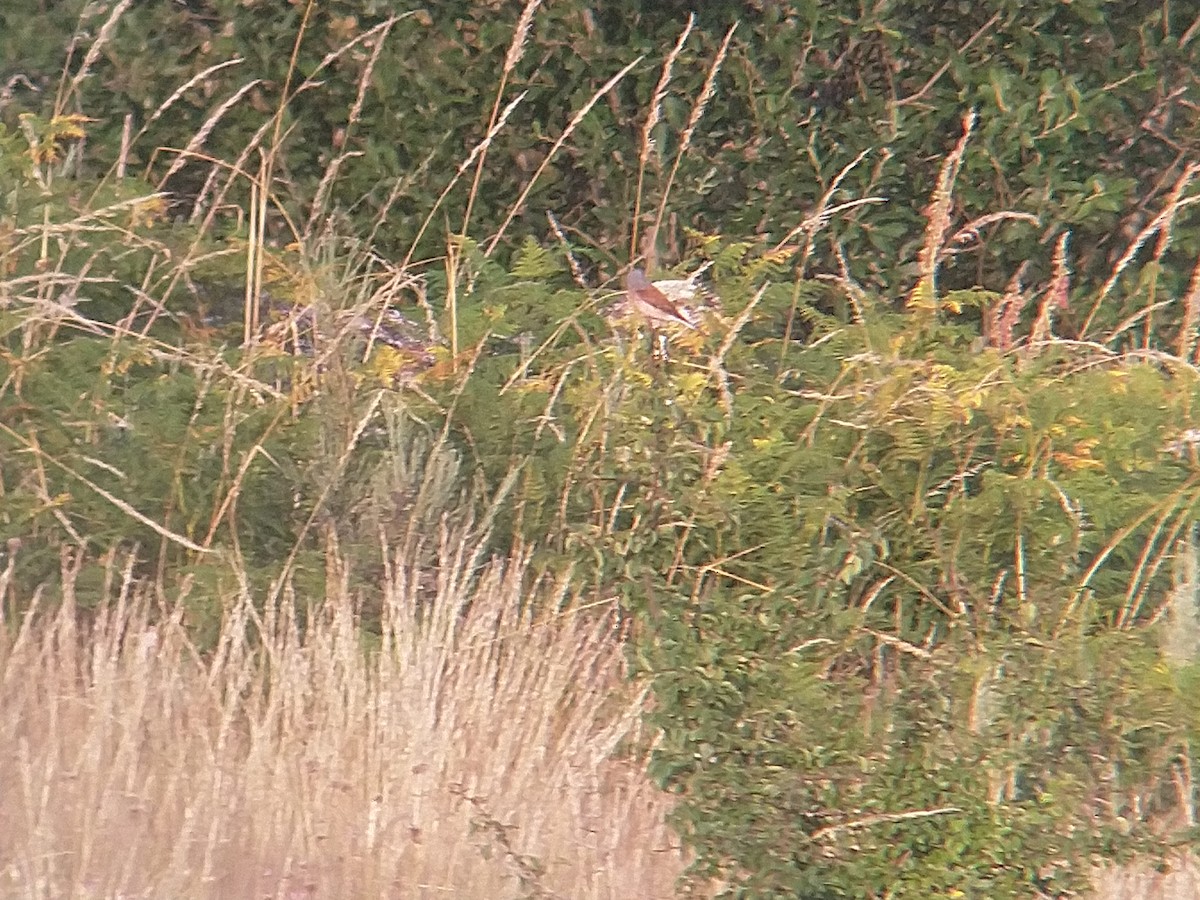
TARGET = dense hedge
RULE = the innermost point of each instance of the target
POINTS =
(1087, 117)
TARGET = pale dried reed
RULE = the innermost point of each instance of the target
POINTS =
(716, 364)
(183, 89)
(197, 140)
(1001, 318)
(320, 197)
(653, 117)
(294, 761)
(577, 272)
(1179, 881)
(478, 152)
(562, 139)
(821, 215)
(1161, 225)
(274, 125)
(516, 50)
(93, 53)
(970, 232)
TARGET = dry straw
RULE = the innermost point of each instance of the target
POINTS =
(474, 753)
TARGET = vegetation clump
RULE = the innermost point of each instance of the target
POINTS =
(331, 466)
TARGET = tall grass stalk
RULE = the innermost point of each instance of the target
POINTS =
(1161, 226)
(579, 116)
(516, 50)
(320, 200)
(653, 117)
(923, 298)
(67, 91)
(689, 130)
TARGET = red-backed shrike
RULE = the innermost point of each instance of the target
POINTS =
(652, 303)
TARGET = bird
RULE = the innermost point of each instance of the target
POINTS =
(651, 302)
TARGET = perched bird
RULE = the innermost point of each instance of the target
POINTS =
(652, 303)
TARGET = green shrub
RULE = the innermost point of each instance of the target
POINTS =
(900, 577)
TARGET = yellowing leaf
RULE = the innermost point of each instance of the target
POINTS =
(923, 298)
(1079, 458)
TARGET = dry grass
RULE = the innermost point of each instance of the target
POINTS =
(474, 751)
(1181, 882)
(477, 747)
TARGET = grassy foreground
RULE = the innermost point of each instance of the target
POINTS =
(473, 753)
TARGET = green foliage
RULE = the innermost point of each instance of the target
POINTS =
(1086, 112)
(134, 417)
(897, 594)
(897, 580)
